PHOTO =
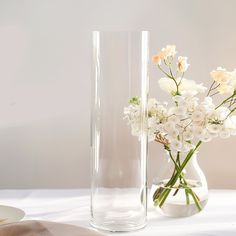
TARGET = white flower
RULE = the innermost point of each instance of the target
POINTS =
(162, 110)
(208, 104)
(206, 137)
(224, 133)
(188, 135)
(225, 79)
(169, 126)
(190, 87)
(173, 133)
(181, 110)
(198, 116)
(208, 101)
(225, 89)
(219, 114)
(152, 107)
(230, 124)
(182, 64)
(220, 75)
(185, 122)
(186, 147)
(167, 85)
(168, 51)
(198, 131)
(214, 128)
(191, 103)
(186, 87)
(178, 98)
(174, 119)
(176, 145)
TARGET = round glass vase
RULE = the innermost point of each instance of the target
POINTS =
(180, 189)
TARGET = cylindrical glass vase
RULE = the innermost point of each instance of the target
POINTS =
(118, 186)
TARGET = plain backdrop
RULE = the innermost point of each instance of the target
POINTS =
(45, 69)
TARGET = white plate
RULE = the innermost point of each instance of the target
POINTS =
(10, 214)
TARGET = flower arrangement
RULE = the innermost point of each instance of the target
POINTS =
(183, 126)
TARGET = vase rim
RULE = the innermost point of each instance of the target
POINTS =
(120, 31)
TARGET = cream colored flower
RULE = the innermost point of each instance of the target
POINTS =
(221, 75)
(225, 89)
(157, 58)
(182, 64)
(168, 51)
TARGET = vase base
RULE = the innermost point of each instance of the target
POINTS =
(180, 210)
(113, 226)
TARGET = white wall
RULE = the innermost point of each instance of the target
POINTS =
(45, 67)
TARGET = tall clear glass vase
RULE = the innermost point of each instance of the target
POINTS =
(119, 188)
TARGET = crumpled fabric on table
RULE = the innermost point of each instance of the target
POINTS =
(44, 228)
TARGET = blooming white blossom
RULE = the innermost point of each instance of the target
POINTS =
(174, 119)
(188, 135)
(225, 88)
(179, 127)
(206, 137)
(219, 114)
(225, 80)
(214, 128)
(176, 145)
(197, 116)
(182, 64)
(186, 87)
(224, 133)
(168, 51)
(230, 124)
(220, 75)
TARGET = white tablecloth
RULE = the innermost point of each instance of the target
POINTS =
(72, 206)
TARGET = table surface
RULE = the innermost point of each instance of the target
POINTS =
(72, 207)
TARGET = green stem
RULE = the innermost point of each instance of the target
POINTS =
(187, 196)
(210, 88)
(226, 100)
(171, 77)
(195, 198)
(173, 180)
